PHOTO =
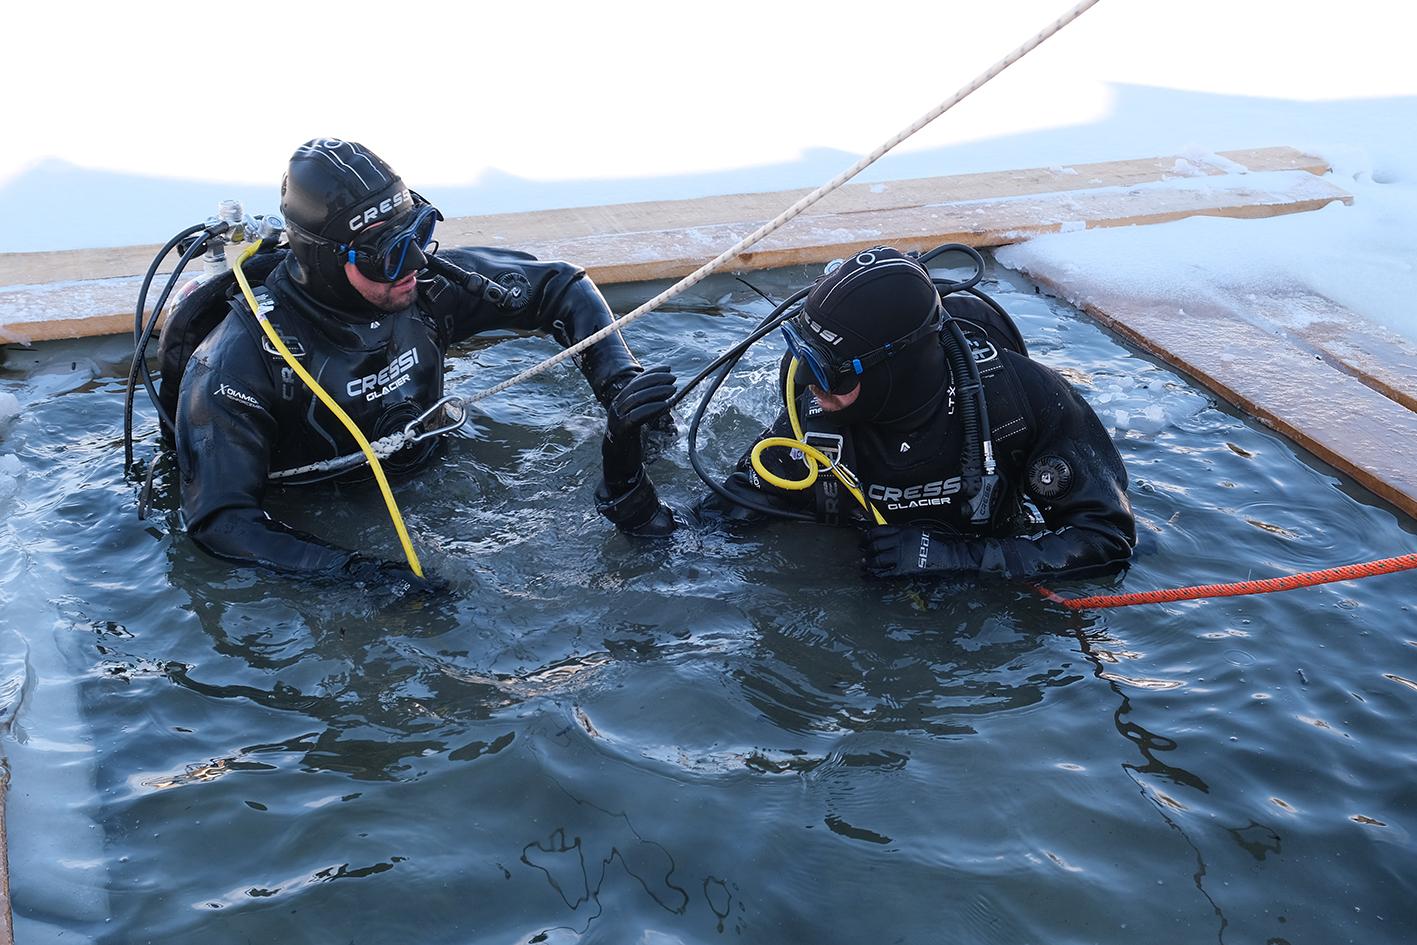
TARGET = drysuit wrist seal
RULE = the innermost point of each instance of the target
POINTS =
(633, 509)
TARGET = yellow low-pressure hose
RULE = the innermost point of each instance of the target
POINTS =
(814, 458)
(335, 408)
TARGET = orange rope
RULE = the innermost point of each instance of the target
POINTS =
(1308, 579)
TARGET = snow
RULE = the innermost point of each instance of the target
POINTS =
(1363, 257)
(582, 104)
(79, 299)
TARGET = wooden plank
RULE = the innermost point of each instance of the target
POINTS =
(1337, 411)
(622, 244)
(638, 256)
(513, 229)
(7, 936)
(1375, 355)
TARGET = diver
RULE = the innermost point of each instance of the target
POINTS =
(361, 299)
(930, 400)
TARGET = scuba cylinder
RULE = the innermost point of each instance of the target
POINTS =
(229, 225)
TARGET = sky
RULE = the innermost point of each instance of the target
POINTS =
(135, 126)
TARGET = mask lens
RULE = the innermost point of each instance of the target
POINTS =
(408, 251)
(401, 251)
(395, 256)
(803, 351)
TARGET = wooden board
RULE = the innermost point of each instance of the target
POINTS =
(40, 299)
(513, 229)
(1351, 406)
(1375, 355)
(666, 254)
(6, 929)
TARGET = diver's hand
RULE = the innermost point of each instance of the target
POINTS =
(642, 401)
(659, 432)
(893, 551)
(626, 495)
(392, 579)
(659, 435)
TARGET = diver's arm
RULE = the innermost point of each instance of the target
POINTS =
(553, 297)
(626, 494)
(224, 437)
(1076, 479)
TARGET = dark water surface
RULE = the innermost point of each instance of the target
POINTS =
(725, 737)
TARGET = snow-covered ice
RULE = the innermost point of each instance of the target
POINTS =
(1363, 256)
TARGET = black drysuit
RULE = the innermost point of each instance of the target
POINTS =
(1049, 445)
(242, 413)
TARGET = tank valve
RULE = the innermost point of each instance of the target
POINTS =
(232, 225)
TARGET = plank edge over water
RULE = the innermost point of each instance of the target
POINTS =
(40, 299)
(1343, 413)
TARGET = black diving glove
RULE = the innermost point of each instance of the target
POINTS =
(658, 433)
(642, 401)
(893, 551)
(626, 495)
(391, 579)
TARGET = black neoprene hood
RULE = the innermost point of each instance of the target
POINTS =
(873, 298)
(336, 188)
(332, 192)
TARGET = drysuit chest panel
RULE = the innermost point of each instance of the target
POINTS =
(384, 375)
(915, 477)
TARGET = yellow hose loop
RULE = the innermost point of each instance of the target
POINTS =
(814, 458)
(335, 408)
(818, 462)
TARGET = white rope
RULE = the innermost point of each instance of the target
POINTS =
(705, 270)
(383, 448)
(392, 443)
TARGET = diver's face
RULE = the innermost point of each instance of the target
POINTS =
(831, 403)
(385, 296)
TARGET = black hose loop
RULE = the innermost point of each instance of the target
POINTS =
(785, 310)
(152, 271)
(719, 369)
(950, 286)
(139, 365)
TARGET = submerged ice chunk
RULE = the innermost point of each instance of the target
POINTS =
(11, 469)
(1144, 404)
(1148, 420)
